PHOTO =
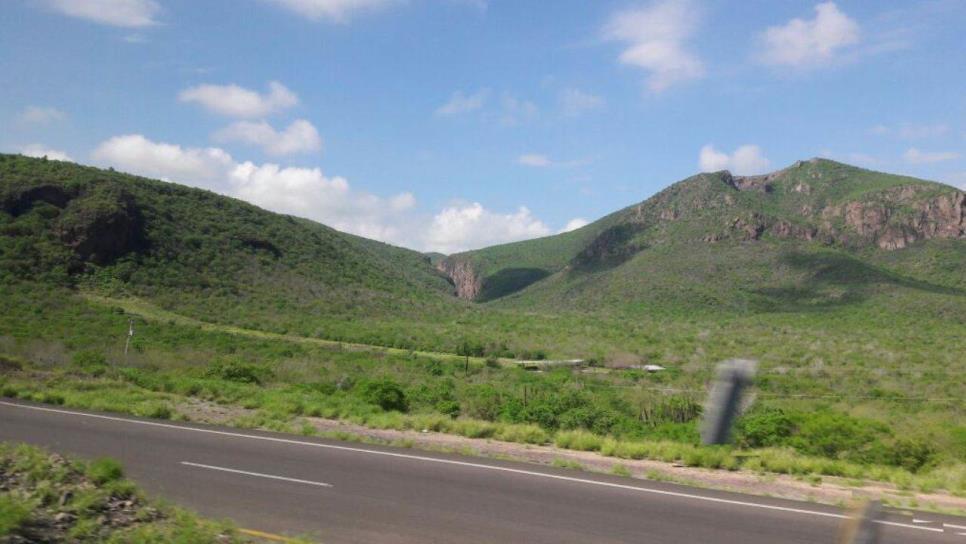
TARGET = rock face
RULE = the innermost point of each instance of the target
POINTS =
(467, 282)
(102, 225)
(899, 221)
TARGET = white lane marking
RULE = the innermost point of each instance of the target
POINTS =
(951, 526)
(256, 474)
(914, 520)
(466, 464)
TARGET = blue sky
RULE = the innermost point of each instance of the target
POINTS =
(454, 124)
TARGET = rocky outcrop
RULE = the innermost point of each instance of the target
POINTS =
(102, 225)
(898, 220)
(749, 227)
(464, 277)
(16, 203)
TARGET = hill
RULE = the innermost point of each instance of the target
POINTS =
(818, 233)
(210, 256)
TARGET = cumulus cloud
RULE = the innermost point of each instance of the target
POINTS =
(299, 137)
(910, 131)
(811, 42)
(123, 13)
(137, 154)
(574, 224)
(471, 226)
(40, 115)
(337, 11)
(916, 156)
(460, 103)
(534, 159)
(656, 39)
(308, 192)
(746, 160)
(573, 102)
(38, 150)
(234, 101)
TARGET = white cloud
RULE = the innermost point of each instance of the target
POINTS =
(307, 192)
(915, 156)
(746, 160)
(337, 11)
(300, 136)
(471, 226)
(235, 101)
(459, 103)
(804, 43)
(123, 13)
(534, 159)
(909, 131)
(656, 37)
(573, 102)
(574, 224)
(516, 111)
(37, 150)
(39, 115)
(137, 154)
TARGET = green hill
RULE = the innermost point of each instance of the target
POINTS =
(816, 234)
(207, 255)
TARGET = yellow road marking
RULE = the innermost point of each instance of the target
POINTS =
(270, 536)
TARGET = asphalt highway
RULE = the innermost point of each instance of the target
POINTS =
(345, 492)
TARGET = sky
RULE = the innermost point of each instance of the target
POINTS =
(446, 125)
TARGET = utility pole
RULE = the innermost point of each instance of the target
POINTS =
(130, 334)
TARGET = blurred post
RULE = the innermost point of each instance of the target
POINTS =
(733, 377)
(861, 526)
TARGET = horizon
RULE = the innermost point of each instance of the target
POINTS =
(455, 141)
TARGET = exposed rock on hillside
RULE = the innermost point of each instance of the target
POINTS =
(102, 225)
(466, 280)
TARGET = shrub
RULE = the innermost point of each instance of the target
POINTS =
(578, 440)
(91, 362)
(912, 455)
(239, 372)
(385, 394)
(104, 470)
(764, 428)
(13, 513)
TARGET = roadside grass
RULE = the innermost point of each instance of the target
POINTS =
(283, 412)
(98, 504)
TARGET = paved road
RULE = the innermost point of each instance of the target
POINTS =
(343, 492)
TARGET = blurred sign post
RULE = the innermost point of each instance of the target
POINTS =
(734, 376)
(861, 526)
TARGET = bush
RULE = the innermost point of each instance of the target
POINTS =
(912, 455)
(239, 372)
(578, 440)
(385, 394)
(91, 362)
(104, 470)
(13, 514)
(764, 428)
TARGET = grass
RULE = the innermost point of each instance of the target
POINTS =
(42, 486)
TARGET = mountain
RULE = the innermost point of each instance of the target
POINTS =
(711, 251)
(815, 234)
(211, 256)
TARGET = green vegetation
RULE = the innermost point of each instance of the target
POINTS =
(860, 349)
(51, 499)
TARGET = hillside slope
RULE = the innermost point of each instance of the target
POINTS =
(211, 256)
(814, 233)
